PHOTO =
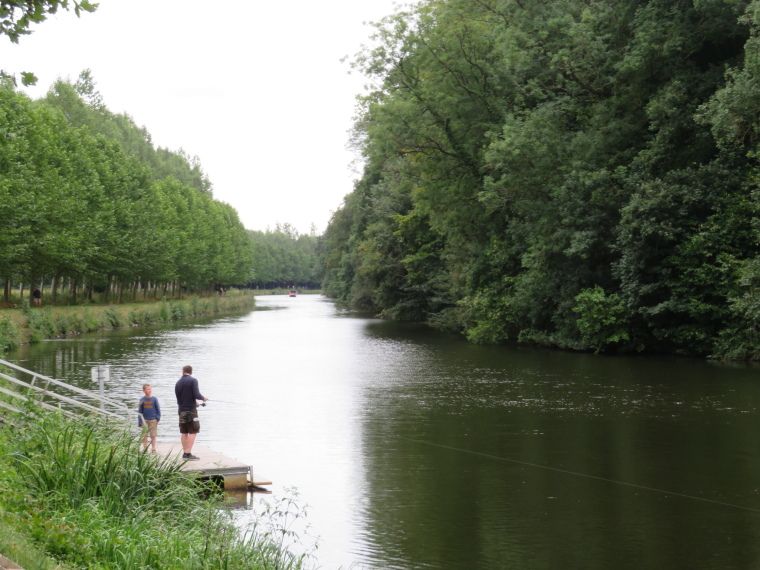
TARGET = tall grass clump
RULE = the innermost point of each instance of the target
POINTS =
(94, 321)
(85, 492)
(164, 313)
(196, 306)
(39, 323)
(139, 316)
(9, 335)
(114, 318)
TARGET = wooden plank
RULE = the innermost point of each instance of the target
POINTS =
(210, 462)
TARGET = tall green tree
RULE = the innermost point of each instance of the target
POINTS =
(524, 157)
(79, 207)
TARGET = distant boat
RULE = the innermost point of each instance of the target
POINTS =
(292, 292)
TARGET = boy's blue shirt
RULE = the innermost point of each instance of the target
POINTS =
(149, 409)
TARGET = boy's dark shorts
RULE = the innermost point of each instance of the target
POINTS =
(185, 426)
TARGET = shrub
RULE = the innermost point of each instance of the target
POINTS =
(603, 319)
(40, 325)
(9, 335)
(177, 310)
(61, 324)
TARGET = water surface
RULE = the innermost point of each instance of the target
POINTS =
(419, 450)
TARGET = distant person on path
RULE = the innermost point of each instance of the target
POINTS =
(37, 297)
(150, 415)
(187, 393)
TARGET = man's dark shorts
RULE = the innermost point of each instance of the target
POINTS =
(185, 426)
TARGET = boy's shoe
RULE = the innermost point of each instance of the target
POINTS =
(189, 457)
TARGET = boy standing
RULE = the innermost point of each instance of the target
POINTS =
(150, 412)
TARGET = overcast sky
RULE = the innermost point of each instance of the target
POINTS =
(255, 89)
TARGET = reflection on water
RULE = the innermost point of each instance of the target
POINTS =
(418, 450)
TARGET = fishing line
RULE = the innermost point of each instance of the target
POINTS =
(567, 472)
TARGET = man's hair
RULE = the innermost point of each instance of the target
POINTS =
(187, 369)
(146, 386)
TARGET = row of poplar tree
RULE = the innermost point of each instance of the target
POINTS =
(574, 173)
(86, 198)
(284, 258)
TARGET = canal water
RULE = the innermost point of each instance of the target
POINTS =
(416, 450)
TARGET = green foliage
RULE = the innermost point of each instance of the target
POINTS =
(487, 313)
(17, 16)
(139, 316)
(164, 313)
(86, 200)
(22, 549)
(602, 319)
(284, 258)
(177, 311)
(9, 335)
(114, 318)
(40, 325)
(568, 173)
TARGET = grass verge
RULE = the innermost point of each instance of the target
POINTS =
(24, 325)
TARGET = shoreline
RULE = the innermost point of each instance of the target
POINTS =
(30, 325)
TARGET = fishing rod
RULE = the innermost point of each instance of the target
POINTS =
(225, 402)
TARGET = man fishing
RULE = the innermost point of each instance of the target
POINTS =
(187, 392)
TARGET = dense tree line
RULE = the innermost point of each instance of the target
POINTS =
(285, 258)
(576, 173)
(86, 198)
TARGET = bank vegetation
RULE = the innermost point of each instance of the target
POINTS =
(580, 174)
(81, 493)
(32, 324)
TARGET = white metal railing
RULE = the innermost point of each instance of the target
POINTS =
(52, 394)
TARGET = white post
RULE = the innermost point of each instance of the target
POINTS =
(102, 374)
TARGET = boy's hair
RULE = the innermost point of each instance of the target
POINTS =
(187, 368)
(146, 386)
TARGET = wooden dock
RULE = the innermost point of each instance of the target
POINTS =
(210, 463)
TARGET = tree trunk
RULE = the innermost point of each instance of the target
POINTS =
(54, 288)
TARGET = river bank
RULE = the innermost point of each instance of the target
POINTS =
(80, 493)
(281, 291)
(29, 324)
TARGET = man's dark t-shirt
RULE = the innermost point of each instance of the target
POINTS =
(187, 392)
